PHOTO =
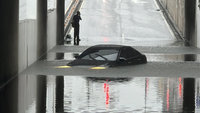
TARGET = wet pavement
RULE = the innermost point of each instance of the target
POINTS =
(169, 82)
(130, 22)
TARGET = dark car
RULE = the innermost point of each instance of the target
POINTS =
(109, 55)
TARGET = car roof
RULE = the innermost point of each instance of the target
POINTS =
(101, 46)
(110, 46)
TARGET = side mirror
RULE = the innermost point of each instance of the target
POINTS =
(122, 59)
(76, 56)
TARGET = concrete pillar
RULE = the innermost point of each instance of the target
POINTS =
(198, 22)
(190, 24)
(9, 18)
(60, 22)
(42, 27)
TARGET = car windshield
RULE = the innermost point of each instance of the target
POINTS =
(102, 54)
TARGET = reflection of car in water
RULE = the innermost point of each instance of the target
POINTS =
(109, 79)
(109, 55)
(108, 85)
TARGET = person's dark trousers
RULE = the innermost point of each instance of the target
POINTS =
(76, 35)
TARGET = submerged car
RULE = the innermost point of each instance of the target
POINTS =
(109, 56)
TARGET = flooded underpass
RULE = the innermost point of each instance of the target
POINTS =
(167, 83)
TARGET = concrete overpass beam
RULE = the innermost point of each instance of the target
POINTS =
(60, 22)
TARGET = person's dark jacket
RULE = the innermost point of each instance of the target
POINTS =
(76, 20)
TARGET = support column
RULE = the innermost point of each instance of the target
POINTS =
(190, 24)
(198, 23)
(9, 18)
(60, 22)
(42, 27)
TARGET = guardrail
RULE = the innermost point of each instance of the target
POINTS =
(74, 6)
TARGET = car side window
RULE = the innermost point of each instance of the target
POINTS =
(132, 52)
(101, 54)
(128, 52)
(123, 53)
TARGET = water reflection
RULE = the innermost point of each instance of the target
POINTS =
(172, 57)
(59, 93)
(190, 57)
(189, 95)
(59, 56)
(197, 97)
(131, 95)
(76, 94)
(150, 57)
(9, 97)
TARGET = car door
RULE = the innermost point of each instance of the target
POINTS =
(129, 56)
(133, 57)
(123, 57)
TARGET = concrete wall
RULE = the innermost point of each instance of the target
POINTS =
(176, 11)
(190, 24)
(28, 41)
(198, 22)
(51, 30)
(32, 37)
(198, 25)
(183, 16)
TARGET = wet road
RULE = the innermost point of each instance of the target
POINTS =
(130, 22)
(169, 82)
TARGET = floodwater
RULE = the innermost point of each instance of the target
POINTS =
(105, 91)
(169, 82)
(78, 94)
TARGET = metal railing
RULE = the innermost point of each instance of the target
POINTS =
(74, 6)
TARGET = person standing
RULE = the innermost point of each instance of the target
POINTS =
(76, 19)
